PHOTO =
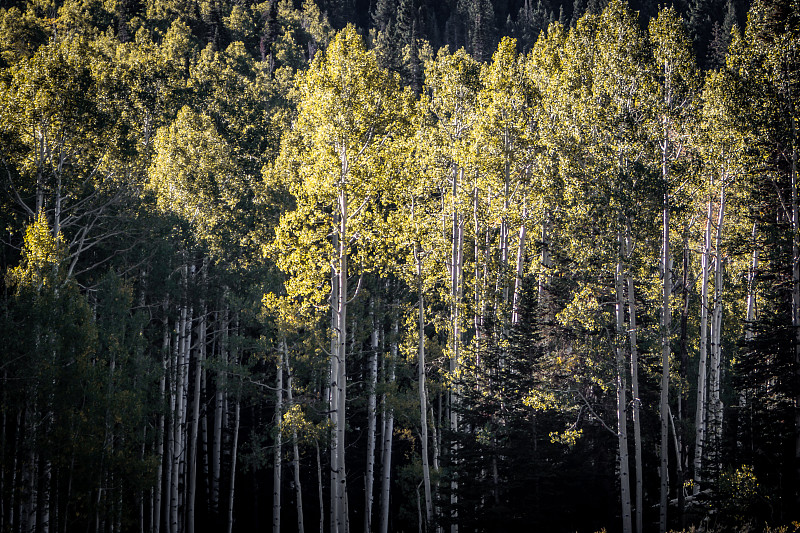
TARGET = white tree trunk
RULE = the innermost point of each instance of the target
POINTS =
(622, 419)
(716, 334)
(371, 421)
(388, 430)
(298, 490)
(195, 421)
(702, 373)
(423, 399)
(234, 449)
(519, 272)
(637, 404)
(666, 327)
(277, 450)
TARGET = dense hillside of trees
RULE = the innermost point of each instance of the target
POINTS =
(474, 265)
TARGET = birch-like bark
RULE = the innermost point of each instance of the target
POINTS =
(234, 449)
(423, 399)
(716, 334)
(519, 271)
(372, 399)
(388, 430)
(341, 376)
(277, 449)
(750, 317)
(622, 419)
(298, 489)
(195, 421)
(636, 404)
(702, 373)
(796, 295)
(457, 267)
(219, 406)
(666, 326)
(162, 382)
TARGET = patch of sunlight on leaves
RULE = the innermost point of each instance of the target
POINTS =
(568, 437)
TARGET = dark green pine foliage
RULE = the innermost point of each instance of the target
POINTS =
(512, 476)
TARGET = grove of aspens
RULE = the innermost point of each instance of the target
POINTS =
(440, 266)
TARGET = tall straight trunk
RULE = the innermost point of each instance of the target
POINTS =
(636, 404)
(234, 449)
(796, 299)
(702, 373)
(666, 326)
(298, 489)
(751, 286)
(478, 312)
(519, 271)
(372, 400)
(622, 419)
(716, 336)
(457, 267)
(195, 421)
(388, 430)
(423, 398)
(340, 379)
(160, 436)
(319, 490)
(333, 397)
(177, 437)
(277, 449)
(220, 386)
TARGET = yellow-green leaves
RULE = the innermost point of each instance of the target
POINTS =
(192, 173)
(42, 254)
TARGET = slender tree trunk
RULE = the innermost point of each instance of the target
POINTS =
(371, 421)
(386, 460)
(622, 419)
(195, 422)
(298, 489)
(666, 327)
(319, 490)
(277, 449)
(234, 449)
(457, 259)
(796, 299)
(423, 399)
(340, 384)
(702, 373)
(161, 426)
(519, 272)
(636, 404)
(716, 336)
(220, 386)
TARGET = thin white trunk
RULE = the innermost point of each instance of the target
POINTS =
(457, 263)
(341, 377)
(622, 419)
(219, 406)
(423, 399)
(796, 294)
(195, 421)
(319, 490)
(277, 450)
(702, 373)
(234, 449)
(716, 334)
(298, 490)
(637, 403)
(160, 436)
(751, 287)
(371, 422)
(388, 430)
(519, 271)
(666, 327)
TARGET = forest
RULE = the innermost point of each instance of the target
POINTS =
(399, 265)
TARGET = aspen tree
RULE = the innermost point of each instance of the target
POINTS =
(677, 86)
(348, 112)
